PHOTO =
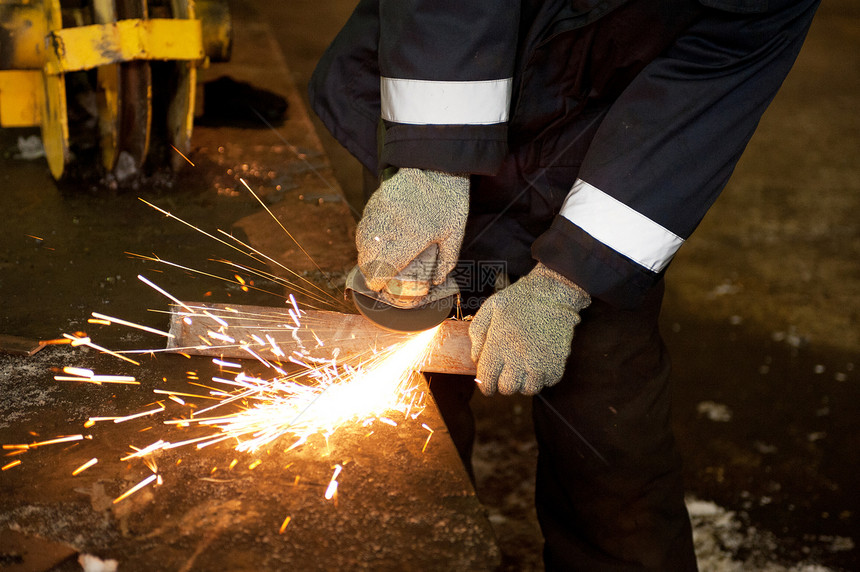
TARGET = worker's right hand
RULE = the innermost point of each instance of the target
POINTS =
(410, 211)
(521, 337)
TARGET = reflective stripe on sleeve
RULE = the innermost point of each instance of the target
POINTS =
(620, 227)
(420, 102)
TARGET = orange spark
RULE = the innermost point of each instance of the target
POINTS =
(285, 524)
(135, 488)
(331, 490)
(112, 320)
(181, 154)
(428, 436)
(84, 467)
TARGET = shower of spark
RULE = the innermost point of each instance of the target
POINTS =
(303, 396)
(253, 412)
(250, 412)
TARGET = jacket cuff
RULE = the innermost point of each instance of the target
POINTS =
(469, 149)
(596, 268)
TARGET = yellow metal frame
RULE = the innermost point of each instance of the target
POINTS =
(18, 107)
(39, 52)
(25, 26)
(88, 47)
(52, 101)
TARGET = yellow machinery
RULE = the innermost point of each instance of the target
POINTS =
(119, 72)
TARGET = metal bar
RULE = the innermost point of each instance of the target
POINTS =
(324, 335)
(88, 47)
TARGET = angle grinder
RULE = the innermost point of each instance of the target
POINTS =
(409, 302)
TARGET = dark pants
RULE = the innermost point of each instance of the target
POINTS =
(609, 493)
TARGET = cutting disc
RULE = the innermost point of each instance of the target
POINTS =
(416, 319)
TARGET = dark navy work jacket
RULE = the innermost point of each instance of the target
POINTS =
(597, 132)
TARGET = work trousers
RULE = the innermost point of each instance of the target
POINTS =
(609, 491)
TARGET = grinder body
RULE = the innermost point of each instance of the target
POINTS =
(409, 302)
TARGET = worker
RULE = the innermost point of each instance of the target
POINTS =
(578, 143)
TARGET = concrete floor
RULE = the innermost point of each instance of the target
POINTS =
(762, 313)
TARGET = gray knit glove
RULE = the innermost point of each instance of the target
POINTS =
(521, 336)
(410, 211)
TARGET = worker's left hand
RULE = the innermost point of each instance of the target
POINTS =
(410, 211)
(521, 336)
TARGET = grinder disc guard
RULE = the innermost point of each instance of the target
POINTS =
(438, 307)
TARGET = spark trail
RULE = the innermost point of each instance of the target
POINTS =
(299, 397)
